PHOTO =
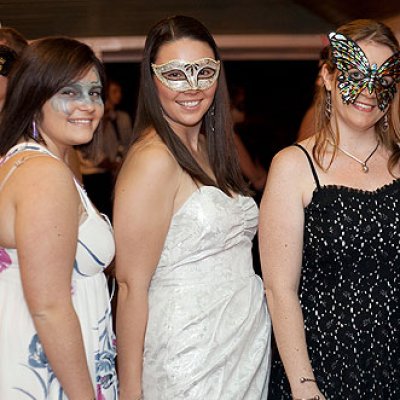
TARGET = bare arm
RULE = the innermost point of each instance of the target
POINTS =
(253, 171)
(144, 202)
(281, 244)
(46, 228)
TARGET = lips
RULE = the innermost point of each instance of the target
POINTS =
(363, 106)
(80, 121)
(189, 103)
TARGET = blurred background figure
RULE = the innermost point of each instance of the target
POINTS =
(307, 126)
(250, 166)
(11, 44)
(98, 174)
(117, 126)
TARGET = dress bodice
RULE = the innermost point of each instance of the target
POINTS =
(95, 247)
(220, 228)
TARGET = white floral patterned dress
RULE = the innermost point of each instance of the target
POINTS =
(25, 373)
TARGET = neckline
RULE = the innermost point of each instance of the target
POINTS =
(358, 190)
(198, 190)
(26, 146)
(349, 189)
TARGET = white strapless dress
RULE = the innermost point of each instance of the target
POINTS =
(208, 332)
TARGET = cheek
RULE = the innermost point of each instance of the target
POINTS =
(99, 109)
(165, 94)
(210, 93)
(61, 105)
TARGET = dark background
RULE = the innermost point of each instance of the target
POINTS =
(277, 95)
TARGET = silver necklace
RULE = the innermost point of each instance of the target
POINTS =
(364, 165)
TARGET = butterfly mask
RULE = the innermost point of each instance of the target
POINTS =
(181, 75)
(356, 74)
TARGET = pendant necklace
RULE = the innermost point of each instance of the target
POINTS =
(364, 165)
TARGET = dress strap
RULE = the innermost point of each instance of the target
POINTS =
(17, 164)
(310, 161)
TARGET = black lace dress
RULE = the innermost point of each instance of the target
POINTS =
(349, 293)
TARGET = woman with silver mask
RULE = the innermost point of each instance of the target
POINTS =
(192, 321)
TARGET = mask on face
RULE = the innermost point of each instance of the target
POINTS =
(7, 58)
(181, 75)
(356, 74)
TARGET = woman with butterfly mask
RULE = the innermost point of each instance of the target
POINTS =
(330, 232)
(192, 321)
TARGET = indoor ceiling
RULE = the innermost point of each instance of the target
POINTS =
(243, 28)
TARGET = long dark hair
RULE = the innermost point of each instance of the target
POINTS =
(217, 125)
(43, 68)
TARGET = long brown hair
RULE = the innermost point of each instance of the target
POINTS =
(358, 30)
(217, 125)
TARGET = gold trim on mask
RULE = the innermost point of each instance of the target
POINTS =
(182, 75)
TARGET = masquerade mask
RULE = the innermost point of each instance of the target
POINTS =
(7, 58)
(356, 73)
(181, 75)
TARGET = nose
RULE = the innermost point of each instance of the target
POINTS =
(369, 91)
(86, 103)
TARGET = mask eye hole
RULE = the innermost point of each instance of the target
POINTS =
(206, 73)
(174, 75)
(356, 75)
(386, 81)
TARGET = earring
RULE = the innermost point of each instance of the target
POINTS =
(328, 104)
(212, 117)
(35, 132)
(385, 123)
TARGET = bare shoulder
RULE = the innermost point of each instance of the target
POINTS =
(149, 160)
(290, 162)
(41, 171)
(43, 186)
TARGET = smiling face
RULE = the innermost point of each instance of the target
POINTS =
(363, 113)
(185, 99)
(72, 115)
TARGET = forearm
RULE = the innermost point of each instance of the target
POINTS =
(288, 323)
(60, 334)
(132, 316)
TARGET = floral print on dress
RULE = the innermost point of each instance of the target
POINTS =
(37, 360)
(5, 260)
(104, 360)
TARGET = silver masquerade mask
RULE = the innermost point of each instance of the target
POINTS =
(181, 75)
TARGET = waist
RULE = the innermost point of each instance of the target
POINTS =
(199, 278)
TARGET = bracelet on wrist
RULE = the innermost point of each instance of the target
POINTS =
(305, 379)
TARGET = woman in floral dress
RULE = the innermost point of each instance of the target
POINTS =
(56, 339)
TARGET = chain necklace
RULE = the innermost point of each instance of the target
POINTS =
(364, 165)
